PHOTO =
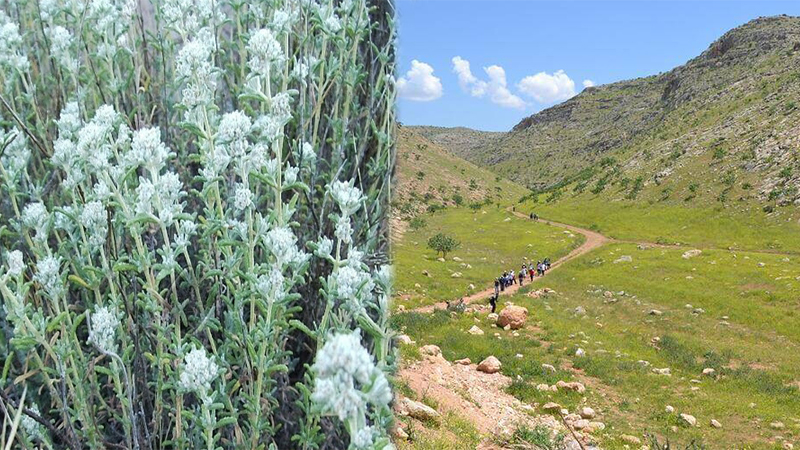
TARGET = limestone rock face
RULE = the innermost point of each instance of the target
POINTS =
(513, 316)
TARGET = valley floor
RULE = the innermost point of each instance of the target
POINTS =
(654, 332)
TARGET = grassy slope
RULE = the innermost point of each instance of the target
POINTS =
(702, 224)
(762, 308)
(492, 240)
(426, 174)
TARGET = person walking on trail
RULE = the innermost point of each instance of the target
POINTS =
(493, 302)
(531, 272)
(496, 286)
(521, 277)
(503, 282)
(511, 276)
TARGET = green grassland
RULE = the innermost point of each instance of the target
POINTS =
(755, 349)
(701, 225)
(492, 240)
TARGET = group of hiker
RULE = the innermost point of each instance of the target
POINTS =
(510, 277)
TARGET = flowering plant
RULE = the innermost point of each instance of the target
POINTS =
(193, 223)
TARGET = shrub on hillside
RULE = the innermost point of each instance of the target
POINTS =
(192, 223)
(442, 243)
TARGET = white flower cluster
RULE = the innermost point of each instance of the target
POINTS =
(188, 17)
(16, 264)
(10, 42)
(347, 196)
(243, 198)
(234, 128)
(271, 286)
(83, 149)
(194, 67)
(198, 372)
(48, 274)
(94, 221)
(15, 157)
(282, 243)
(60, 47)
(36, 217)
(353, 285)
(147, 150)
(103, 326)
(347, 382)
(264, 51)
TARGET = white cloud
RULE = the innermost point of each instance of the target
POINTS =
(466, 79)
(496, 88)
(588, 83)
(419, 84)
(546, 88)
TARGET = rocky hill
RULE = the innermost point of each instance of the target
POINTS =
(460, 141)
(429, 177)
(723, 127)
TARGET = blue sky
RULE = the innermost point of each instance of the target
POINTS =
(588, 40)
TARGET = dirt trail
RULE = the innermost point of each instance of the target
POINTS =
(593, 241)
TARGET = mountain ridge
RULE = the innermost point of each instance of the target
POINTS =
(727, 117)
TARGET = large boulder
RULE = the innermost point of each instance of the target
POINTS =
(512, 316)
(489, 365)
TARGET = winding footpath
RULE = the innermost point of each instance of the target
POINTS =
(593, 241)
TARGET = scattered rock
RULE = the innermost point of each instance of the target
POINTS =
(623, 258)
(404, 339)
(456, 275)
(691, 253)
(715, 423)
(457, 259)
(492, 316)
(587, 413)
(548, 368)
(689, 419)
(426, 273)
(475, 331)
(709, 371)
(655, 312)
(513, 315)
(580, 353)
(580, 310)
(440, 259)
(420, 411)
(777, 425)
(551, 407)
(399, 433)
(665, 371)
(627, 438)
(608, 294)
(463, 362)
(669, 409)
(595, 427)
(471, 287)
(571, 386)
(490, 365)
(430, 350)
(580, 424)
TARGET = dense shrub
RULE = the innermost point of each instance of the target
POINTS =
(192, 223)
